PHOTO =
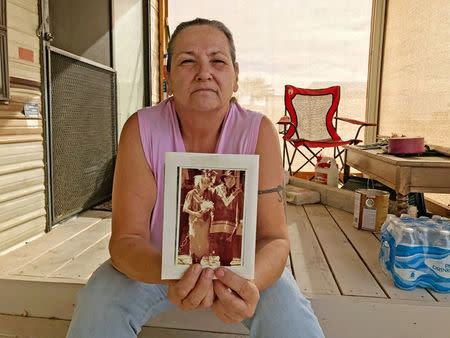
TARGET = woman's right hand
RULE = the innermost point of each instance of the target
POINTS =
(194, 290)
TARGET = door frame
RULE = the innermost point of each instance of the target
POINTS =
(43, 32)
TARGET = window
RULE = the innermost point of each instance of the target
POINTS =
(4, 78)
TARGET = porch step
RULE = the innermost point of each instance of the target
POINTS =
(47, 304)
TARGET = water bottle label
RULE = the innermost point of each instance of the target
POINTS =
(440, 266)
(408, 275)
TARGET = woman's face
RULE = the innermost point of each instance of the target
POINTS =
(203, 185)
(202, 76)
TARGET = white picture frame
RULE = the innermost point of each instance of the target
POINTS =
(179, 169)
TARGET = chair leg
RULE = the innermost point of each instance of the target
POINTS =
(290, 161)
(286, 157)
(346, 169)
(308, 159)
(339, 153)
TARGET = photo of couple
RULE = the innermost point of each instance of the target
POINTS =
(211, 217)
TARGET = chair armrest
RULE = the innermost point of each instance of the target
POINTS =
(361, 123)
(284, 120)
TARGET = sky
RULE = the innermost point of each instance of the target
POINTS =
(297, 42)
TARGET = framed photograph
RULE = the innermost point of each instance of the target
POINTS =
(210, 203)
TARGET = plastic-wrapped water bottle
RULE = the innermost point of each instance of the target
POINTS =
(443, 241)
(422, 233)
(416, 252)
(408, 237)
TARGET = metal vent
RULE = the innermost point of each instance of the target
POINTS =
(83, 132)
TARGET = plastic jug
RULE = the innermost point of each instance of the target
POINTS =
(326, 171)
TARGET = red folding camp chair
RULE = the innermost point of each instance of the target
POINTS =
(310, 122)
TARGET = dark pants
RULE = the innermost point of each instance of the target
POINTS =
(220, 244)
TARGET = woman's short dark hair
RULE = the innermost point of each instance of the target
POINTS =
(199, 22)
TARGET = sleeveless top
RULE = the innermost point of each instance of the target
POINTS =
(160, 133)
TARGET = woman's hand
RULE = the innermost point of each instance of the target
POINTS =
(236, 297)
(194, 290)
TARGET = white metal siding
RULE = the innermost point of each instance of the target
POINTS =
(22, 188)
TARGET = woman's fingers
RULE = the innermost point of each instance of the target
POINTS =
(188, 281)
(246, 289)
(200, 291)
(238, 296)
(208, 301)
(220, 312)
(233, 305)
(179, 290)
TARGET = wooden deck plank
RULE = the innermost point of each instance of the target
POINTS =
(441, 297)
(16, 326)
(148, 332)
(38, 298)
(311, 270)
(202, 319)
(368, 248)
(352, 276)
(368, 317)
(84, 264)
(63, 232)
(57, 300)
(60, 255)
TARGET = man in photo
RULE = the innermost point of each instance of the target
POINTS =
(226, 225)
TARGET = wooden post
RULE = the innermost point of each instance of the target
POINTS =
(162, 10)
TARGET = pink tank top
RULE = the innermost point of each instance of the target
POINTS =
(160, 133)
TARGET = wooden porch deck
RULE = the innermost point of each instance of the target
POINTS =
(335, 265)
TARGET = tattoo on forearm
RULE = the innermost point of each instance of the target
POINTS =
(279, 189)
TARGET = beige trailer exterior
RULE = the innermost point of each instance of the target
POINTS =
(22, 189)
(23, 185)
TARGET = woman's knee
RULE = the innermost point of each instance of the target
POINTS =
(284, 288)
(282, 308)
(100, 289)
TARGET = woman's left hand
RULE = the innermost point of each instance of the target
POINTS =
(236, 297)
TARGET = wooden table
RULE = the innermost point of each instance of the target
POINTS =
(403, 174)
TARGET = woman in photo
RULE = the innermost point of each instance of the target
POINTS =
(199, 206)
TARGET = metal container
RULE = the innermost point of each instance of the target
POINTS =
(371, 207)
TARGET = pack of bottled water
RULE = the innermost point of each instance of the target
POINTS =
(415, 252)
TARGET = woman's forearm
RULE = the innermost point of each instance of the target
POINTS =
(270, 260)
(193, 213)
(136, 258)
